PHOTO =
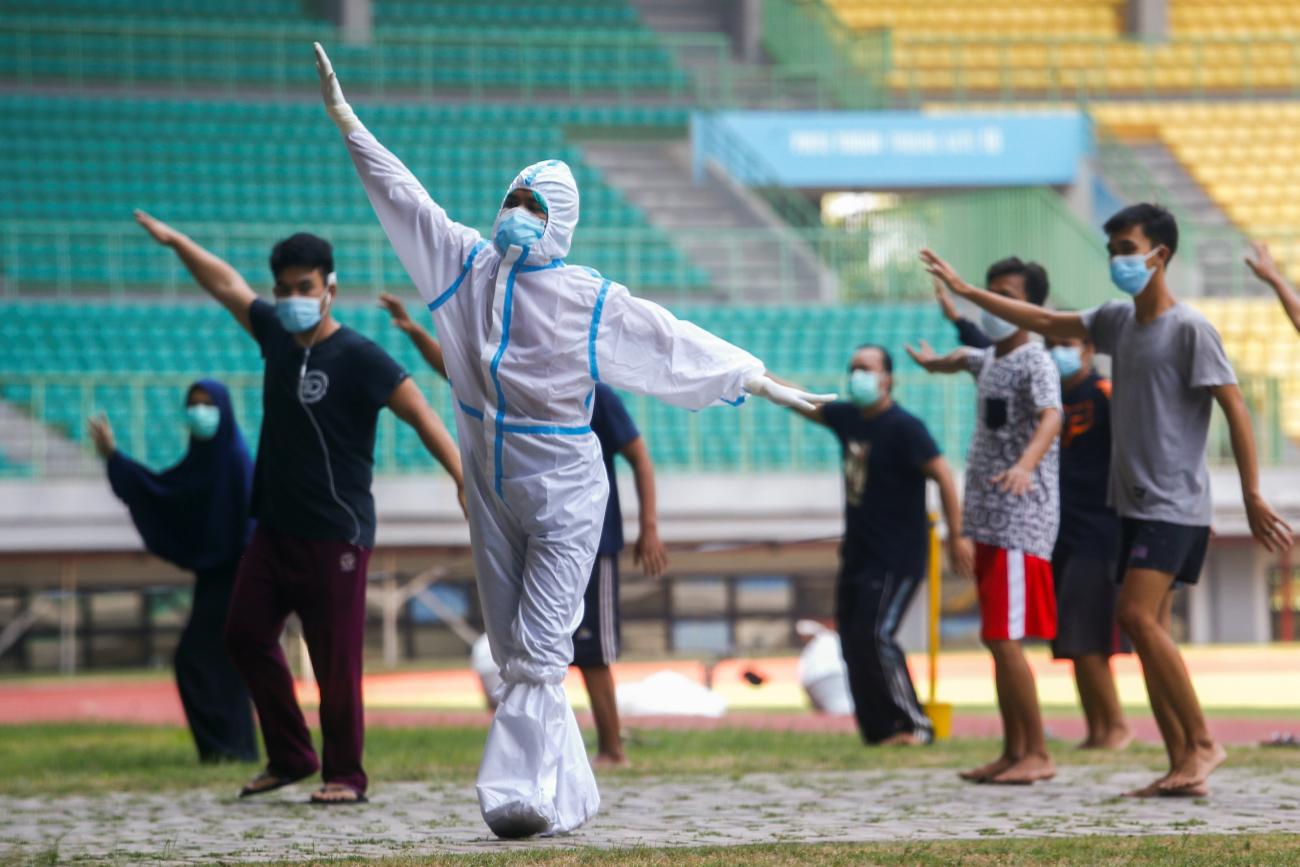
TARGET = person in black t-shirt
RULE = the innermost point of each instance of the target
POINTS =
(323, 388)
(1084, 560)
(888, 457)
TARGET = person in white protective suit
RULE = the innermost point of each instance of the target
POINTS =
(525, 338)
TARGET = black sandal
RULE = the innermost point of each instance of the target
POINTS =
(277, 781)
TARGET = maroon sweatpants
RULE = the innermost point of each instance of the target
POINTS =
(324, 583)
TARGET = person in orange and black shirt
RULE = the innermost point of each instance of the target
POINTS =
(1084, 559)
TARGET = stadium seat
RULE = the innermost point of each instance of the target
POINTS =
(134, 361)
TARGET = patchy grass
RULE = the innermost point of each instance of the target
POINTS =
(1209, 850)
(97, 758)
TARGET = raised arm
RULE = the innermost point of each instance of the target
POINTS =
(1049, 323)
(433, 248)
(953, 362)
(429, 348)
(1266, 269)
(211, 272)
(1266, 525)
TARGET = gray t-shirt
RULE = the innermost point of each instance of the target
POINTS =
(1012, 391)
(1160, 409)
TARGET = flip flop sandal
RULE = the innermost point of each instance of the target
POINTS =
(357, 798)
(278, 781)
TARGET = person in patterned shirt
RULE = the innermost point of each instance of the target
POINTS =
(1012, 510)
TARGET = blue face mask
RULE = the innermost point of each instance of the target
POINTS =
(996, 328)
(517, 228)
(297, 313)
(1069, 360)
(1130, 274)
(203, 420)
(864, 388)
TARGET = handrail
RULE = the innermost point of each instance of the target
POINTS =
(947, 403)
(808, 36)
(611, 65)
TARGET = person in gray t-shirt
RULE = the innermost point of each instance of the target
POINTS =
(1163, 372)
(1169, 367)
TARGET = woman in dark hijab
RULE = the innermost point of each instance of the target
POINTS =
(195, 515)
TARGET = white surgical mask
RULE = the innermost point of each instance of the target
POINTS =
(996, 328)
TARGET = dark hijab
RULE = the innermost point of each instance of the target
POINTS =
(195, 514)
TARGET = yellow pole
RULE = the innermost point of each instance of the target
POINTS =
(936, 598)
(940, 714)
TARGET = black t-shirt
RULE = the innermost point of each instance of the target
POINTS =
(327, 437)
(886, 528)
(1089, 528)
(615, 429)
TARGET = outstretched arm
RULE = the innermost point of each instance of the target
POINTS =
(953, 362)
(211, 272)
(1049, 323)
(637, 345)
(433, 248)
(429, 348)
(1266, 269)
(1268, 528)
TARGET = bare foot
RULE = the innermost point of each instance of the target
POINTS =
(985, 772)
(1150, 790)
(902, 739)
(607, 762)
(1031, 769)
(1196, 790)
(1115, 740)
(1195, 768)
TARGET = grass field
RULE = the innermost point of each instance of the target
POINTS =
(112, 770)
(104, 758)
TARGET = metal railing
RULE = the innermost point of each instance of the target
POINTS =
(637, 66)
(972, 230)
(1015, 68)
(807, 36)
(763, 438)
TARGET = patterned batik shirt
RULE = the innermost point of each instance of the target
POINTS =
(1012, 391)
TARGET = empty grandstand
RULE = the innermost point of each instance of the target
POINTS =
(208, 117)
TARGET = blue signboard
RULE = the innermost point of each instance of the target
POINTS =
(893, 150)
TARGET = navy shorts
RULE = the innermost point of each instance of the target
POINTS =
(1177, 549)
(1086, 594)
(598, 637)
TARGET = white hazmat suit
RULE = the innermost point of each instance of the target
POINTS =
(525, 338)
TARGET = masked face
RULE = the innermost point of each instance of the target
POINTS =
(1068, 359)
(202, 419)
(297, 305)
(1130, 273)
(864, 388)
(995, 327)
(517, 228)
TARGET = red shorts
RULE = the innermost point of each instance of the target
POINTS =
(1017, 599)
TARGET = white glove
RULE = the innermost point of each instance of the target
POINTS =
(784, 395)
(335, 105)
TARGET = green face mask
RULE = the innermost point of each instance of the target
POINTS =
(203, 420)
(864, 387)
